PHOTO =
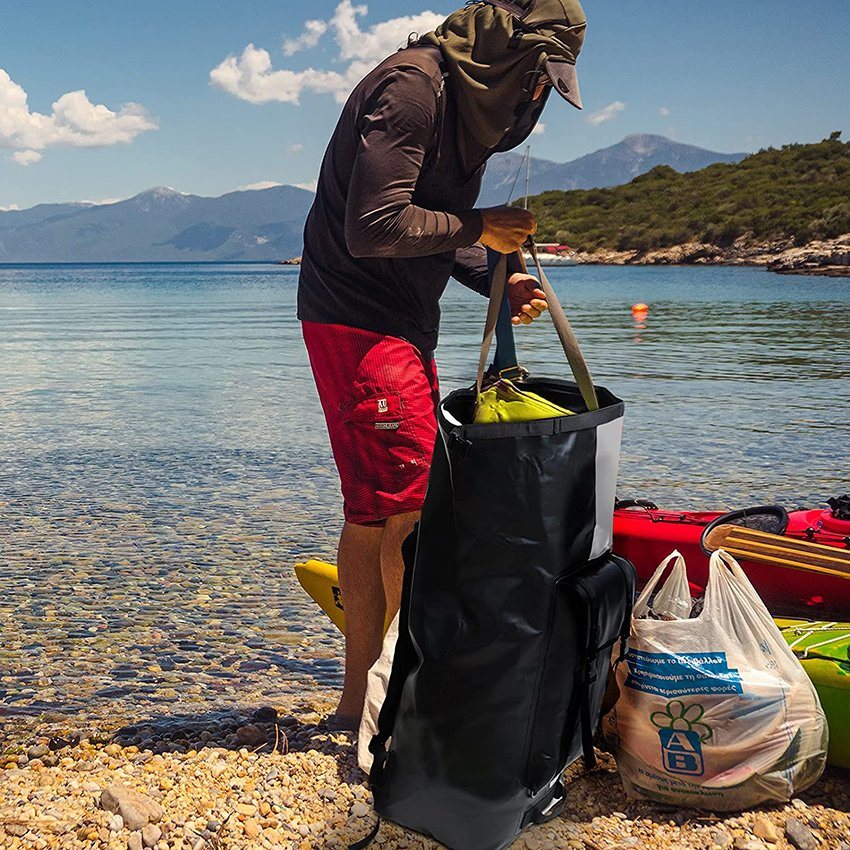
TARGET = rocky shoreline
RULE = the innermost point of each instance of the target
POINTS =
(276, 777)
(830, 257)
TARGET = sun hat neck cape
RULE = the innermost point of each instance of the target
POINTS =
(494, 57)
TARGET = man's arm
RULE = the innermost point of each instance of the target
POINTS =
(527, 301)
(380, 218)
(470, 268)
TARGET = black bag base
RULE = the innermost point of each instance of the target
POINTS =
(485, 805)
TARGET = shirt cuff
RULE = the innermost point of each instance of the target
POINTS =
(472, 226)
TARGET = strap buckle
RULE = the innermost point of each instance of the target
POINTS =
(513, 373)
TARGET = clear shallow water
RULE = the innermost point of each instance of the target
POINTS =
(164, 459)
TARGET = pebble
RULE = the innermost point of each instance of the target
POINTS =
(721, 838)
(743, 843)
(359, 810)
(800, 835)
(134, 842)
(764, 828)
(151, 835)
(251, 735)
(137, 809)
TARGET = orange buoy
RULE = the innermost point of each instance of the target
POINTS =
(640, 310)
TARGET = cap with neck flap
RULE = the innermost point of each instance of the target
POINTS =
(564, 23)
(495, 53)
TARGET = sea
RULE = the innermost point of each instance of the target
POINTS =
(164, 461)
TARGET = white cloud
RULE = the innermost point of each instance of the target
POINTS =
(263, 184)
(251, 76)
(10, 208)
(27, 157)
(73, 122)
(310, 187)
(313, 31)
(663, 111)
(607, 113)
(539, 129)
(296, 148)
(102, 202)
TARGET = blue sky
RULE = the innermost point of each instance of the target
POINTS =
(173, 96)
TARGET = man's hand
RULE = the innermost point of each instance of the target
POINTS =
(527, 301)
(506, 228)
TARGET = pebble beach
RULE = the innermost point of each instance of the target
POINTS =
(275, 778)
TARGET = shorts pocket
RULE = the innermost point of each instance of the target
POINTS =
(392, 443)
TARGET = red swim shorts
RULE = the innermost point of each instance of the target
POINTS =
(379, 394)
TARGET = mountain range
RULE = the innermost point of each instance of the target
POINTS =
(612, 166)
(164, 225)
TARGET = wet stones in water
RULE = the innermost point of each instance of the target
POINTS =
(251, 735)
(60, 743)
(254, 665)
(266, 714)
(124, 673)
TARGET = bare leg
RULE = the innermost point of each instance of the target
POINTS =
(359, 563)
(392, 565)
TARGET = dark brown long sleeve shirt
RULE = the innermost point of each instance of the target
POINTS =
(393, 217)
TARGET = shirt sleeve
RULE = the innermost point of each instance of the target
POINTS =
(380, 218)
(470, 268)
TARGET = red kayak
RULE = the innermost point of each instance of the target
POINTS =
(646, 535)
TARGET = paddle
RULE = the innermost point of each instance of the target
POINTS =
(779, 551)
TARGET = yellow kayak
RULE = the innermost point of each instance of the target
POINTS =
(321, 582)
(822, 648)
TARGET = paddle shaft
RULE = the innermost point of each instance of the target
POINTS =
(779, 551)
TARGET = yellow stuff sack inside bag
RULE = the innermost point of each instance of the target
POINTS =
(505, 402)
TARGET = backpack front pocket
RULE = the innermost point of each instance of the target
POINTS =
(591, 611)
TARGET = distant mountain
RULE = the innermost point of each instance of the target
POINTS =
(797, 193)
(160, 225)
(613, 166)
(163, 225)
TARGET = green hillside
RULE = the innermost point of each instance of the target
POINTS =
(798, 191)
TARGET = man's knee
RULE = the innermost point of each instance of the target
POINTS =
(397, 527)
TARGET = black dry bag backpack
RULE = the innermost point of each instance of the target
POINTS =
(513, 605)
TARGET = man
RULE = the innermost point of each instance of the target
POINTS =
(393, 219)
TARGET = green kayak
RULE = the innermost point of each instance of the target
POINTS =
(824, 651)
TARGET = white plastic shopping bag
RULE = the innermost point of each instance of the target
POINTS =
(376, 689)
(715, 712)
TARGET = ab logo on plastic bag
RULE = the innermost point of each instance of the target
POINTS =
(682, 737)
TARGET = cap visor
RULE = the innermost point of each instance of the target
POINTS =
(564, 80)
